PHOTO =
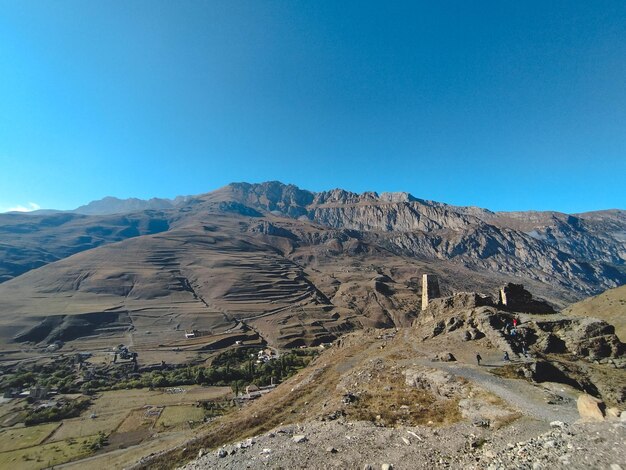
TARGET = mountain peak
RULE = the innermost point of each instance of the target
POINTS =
(112, 205)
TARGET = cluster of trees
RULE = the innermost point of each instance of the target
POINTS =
(60, 375)
(235, 368)
(100, 441)
(69, 409)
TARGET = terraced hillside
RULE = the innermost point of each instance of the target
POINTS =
(282, 264)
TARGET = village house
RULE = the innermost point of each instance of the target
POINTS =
(266, 355)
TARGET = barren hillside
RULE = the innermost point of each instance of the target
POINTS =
(416, 398)
(609, 306)
(294, 266)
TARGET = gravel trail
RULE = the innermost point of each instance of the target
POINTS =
(527, 398)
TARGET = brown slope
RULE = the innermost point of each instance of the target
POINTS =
(28, 241)
(609, 306)
(292, 281)
(151, 289)
(581, 253)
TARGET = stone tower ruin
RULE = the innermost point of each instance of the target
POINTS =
(430, 289)
(515, 298)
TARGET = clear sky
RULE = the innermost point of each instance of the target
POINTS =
(508, 105)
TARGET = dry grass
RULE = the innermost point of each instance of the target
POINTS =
(508, 371)
(135, 420)
(180, 416)
(86, 426)
(401, 404)
(21, 437)
(497, 403)
(398, 356)
(43, 456)
(118, 400)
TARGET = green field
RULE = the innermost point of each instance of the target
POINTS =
(21, 437)
(176, 416)
(116, 412)
(38, 457)
(86, 426)
(117, 400)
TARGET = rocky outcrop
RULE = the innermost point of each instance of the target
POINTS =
(586, 337)
(577, 351)
(474, 316)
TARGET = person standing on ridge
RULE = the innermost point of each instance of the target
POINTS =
(478, 358)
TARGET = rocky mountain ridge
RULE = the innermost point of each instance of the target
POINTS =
(585, 254)
(113, 205)
(568, 249)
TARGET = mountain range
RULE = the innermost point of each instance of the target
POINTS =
(293, 266)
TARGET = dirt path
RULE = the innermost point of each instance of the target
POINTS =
(529, 399)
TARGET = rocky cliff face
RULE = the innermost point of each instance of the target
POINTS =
(585, 252)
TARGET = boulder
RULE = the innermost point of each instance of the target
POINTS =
(612, 412)
(445, 357)
(558, 424)
(590, 408)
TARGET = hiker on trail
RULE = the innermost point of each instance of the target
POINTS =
(506, 356)
(524, 350)
(478, 358)
(514, 322)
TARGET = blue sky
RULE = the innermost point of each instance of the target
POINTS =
(507, 105)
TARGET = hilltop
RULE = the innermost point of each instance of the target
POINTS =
(609, 306)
